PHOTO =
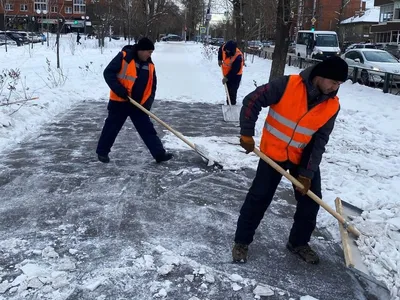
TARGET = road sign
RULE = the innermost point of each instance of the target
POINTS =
(313, 20)
(202, 30)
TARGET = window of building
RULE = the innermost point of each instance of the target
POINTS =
(396, 13)
(9, 7)
(23, 7)
(79, 6)
(386, 13)
(68, 10)
(54, 9)
(40, 5)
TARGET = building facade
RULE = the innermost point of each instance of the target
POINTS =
(325, 14)
(388, 29)
(37, 15)
(357, 29)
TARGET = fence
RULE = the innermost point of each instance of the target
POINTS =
(388, 82)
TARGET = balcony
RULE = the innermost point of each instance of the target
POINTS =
(382, 2)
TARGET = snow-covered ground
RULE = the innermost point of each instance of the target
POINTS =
(361, 164)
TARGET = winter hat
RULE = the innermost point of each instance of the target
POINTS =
(145, 44)
(230, 46)
(333, 68)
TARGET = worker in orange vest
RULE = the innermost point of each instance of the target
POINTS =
(301, 117)
(131, 73)
(230, 59)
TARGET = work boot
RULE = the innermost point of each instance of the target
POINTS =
(305, 252)
(239, 252)
(103, 158)
(166, 156)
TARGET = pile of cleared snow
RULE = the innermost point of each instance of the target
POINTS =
(46, 275)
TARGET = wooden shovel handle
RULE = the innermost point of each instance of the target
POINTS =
(226, 89)
(317, 199)
(177, 133)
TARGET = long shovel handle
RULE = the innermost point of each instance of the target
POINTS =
(177, 133)
(226, 90)
(317, 199)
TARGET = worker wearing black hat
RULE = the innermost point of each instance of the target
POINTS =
(131, 73)
(301, 117)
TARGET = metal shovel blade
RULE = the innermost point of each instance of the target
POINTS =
(352, 254)
(202, 151)
(231, 113)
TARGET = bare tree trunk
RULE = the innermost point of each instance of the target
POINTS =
(238, 19)
(3, 6)
(58, 44)
(283, 24)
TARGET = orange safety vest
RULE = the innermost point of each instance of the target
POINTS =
(228, 61)
(127, 76)
(289, 125)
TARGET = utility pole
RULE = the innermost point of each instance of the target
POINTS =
(185, 24)
(129, 4)
(208, 19)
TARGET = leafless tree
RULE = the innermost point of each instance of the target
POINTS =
(4, 4)
(193, 16)
(104, 15)
(286, 10)
(60, 25)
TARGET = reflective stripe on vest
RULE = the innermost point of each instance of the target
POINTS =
(297, 128)
(127, 77)
(289, 125)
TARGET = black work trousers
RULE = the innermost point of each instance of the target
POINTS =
(118, 112)
(232, 91)
(260, 196)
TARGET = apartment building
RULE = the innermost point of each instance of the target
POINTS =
(388, 29)
(33, 15)
(325, 14)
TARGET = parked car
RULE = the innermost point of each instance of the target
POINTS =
(374, 64)
(9, 41)
(13, 36)
(42, 37)
(393, 49)
(254, 45)
(361, 46)
(217, 41)
(4, 40)
(33, 37)
(24, 35)
(171, 37)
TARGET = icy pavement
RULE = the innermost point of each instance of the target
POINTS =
(73, 228)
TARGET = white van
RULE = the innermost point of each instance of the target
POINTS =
(317, 44)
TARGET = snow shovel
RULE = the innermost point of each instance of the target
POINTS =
(352, 254)
(317, 199)
(200, 150)
(230, 112)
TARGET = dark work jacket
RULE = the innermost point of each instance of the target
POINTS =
(271, 93)
(111, 71)
(232, 75)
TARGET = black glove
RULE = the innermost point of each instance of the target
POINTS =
(306, 182)
(123, 93)
(220, 63)
(224, 80)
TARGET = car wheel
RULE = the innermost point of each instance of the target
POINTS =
(364, 77)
